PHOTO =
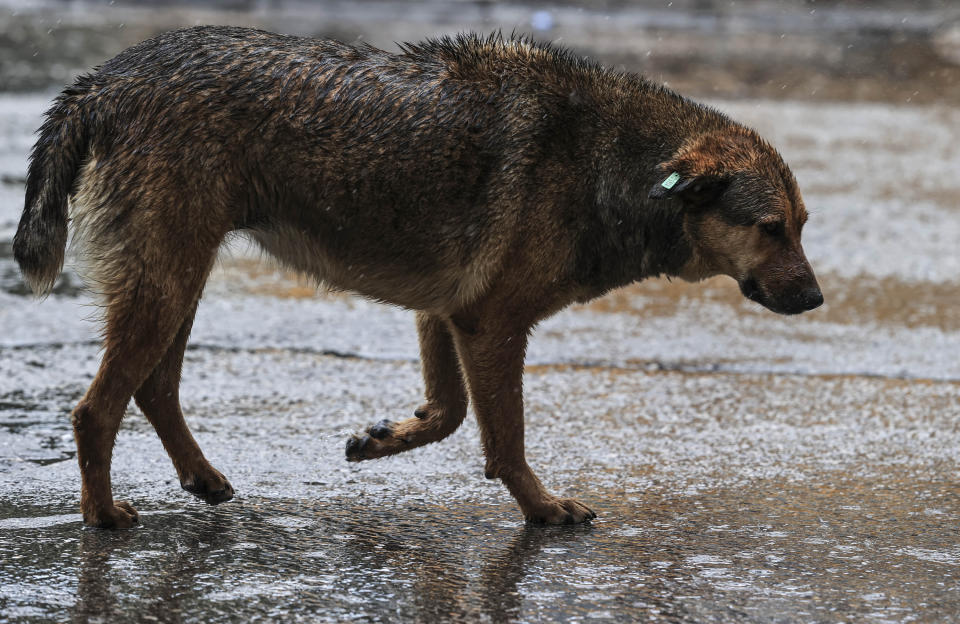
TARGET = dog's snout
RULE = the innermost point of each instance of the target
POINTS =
(812, 298)
(793, 299)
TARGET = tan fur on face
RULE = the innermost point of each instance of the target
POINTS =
(776, 265)
(724, 249)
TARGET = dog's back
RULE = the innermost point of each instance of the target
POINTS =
(395, 175)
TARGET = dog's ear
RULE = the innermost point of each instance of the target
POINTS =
(700, 170)
(694, 189)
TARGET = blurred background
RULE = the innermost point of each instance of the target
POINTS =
(745, 466)
(887, 50)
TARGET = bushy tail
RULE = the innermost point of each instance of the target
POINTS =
(41, 238)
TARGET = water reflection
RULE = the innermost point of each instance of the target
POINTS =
(95, 601)
(505, 568)
(120, 575)
(261, 557)
(865, 546)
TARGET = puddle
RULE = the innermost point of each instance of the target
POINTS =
(375, 560)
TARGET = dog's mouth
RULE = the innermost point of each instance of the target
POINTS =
(751, 290)
(793, 303)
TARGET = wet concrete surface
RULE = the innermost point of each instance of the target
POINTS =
(745, 467)
(721, 498)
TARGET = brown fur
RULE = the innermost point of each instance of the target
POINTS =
(485, 183)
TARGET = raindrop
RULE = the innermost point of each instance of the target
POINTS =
(542, 20)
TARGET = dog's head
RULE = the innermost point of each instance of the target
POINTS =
(743, 216)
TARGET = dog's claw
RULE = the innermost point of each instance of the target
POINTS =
(355, 446)
(562, 511)
(120, 515)
(217, 496)
(203, 488)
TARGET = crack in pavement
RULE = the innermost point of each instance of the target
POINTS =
(636, 365)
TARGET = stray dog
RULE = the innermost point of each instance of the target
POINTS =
(483, 182)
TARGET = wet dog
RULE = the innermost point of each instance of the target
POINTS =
(485, 183)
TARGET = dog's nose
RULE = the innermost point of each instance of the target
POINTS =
(812, 298)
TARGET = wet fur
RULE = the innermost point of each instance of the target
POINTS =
(484, 182)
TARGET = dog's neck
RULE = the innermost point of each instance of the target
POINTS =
(625, 237)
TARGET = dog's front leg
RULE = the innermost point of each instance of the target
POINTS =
(492, 358)
(441, 415)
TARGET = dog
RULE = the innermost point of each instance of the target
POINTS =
(485, 182)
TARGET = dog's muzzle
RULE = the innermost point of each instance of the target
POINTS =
(792, 301)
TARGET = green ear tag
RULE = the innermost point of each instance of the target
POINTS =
(671, 181)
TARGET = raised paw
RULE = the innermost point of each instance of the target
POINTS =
(560, 511)
(431, 423)
(209, 485)
(120, 515)
(379, 440)
(356, 446)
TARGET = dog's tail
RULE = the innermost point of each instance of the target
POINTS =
(41, 239)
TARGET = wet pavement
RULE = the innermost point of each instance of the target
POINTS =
(745, 467)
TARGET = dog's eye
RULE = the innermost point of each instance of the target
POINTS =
(773, 228)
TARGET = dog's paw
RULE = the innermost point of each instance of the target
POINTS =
(378, 440)
(382, 430)
(355, 447)
(120, 515)
(560, 511)
(209, 485)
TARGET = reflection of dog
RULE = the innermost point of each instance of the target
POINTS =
(484, 183)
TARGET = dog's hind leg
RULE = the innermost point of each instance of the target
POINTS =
(150, 281)
(159, 399)
(446, 405)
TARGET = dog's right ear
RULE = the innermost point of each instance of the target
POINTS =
(701, 169)
(694, 189)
